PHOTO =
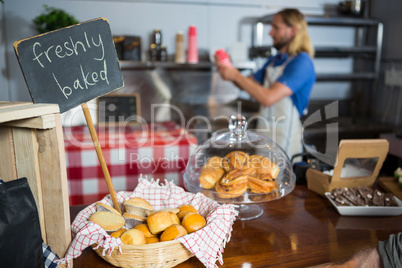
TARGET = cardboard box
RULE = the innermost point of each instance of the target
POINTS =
(373, 151)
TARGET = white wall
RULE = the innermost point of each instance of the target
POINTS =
(220, 23)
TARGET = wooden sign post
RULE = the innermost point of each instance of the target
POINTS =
(70, 67)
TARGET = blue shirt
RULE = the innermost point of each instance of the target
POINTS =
(299, 75)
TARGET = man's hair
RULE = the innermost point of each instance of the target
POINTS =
(301, 41)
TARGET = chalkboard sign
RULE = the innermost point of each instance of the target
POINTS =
(70, 66)
(119, 108)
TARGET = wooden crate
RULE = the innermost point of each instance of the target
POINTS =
(31, 140)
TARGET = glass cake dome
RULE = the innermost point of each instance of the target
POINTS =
(240, 167)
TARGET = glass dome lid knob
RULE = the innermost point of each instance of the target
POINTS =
(237, 127)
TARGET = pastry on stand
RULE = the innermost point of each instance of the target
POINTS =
(240, 167)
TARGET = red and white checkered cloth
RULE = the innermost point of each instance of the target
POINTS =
(206, 244)
(159, 149)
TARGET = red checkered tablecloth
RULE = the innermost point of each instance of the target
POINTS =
(161, 150)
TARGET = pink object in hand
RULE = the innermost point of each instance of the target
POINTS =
(223, 58)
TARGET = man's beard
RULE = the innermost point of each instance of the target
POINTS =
(279, 46)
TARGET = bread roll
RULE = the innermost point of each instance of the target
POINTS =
(185, 209)
(183, 213)
(137, 206)
(109, 221)
(143, 227)
(159, 221)
(172, 232)
(118, 233)
(151, 240)
(188, 207)
(193, 222)
(133, 237)
(211, 172)
(174, 218)
(174, 210)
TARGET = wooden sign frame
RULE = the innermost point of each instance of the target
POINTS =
(114, 98)
(72, 65)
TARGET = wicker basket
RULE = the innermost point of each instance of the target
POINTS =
(156, 255)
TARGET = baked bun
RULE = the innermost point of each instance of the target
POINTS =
(174, 210)
(143, 227)
(172, 232)
(211, 172)
(232, 185)
(132, 220)
(258, 185)
(193, 222)
(264, 166)
(236, 160)
(118, 233)
(183, 213)
(174, 218)
(133, 237)
(185, 209)
(109, 221)
(151, 240)
(104, 207)
(137, 206)
(159, 221)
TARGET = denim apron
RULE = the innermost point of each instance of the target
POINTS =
(281, 121)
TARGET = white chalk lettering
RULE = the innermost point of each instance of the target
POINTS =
(69, 48)
(47, 53)
(63, 89)
(85, 78)
(86, 39)
(75, 46)
(77, 84)
(104, 72)
(94, 77)
(58, 51)
(37, 56)
(97, 45)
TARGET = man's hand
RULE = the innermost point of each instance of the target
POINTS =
(228, 73)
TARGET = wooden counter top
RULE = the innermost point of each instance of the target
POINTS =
(300, 230)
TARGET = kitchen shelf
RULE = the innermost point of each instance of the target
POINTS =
(366, 51)
(137, 65)
(329, 20)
